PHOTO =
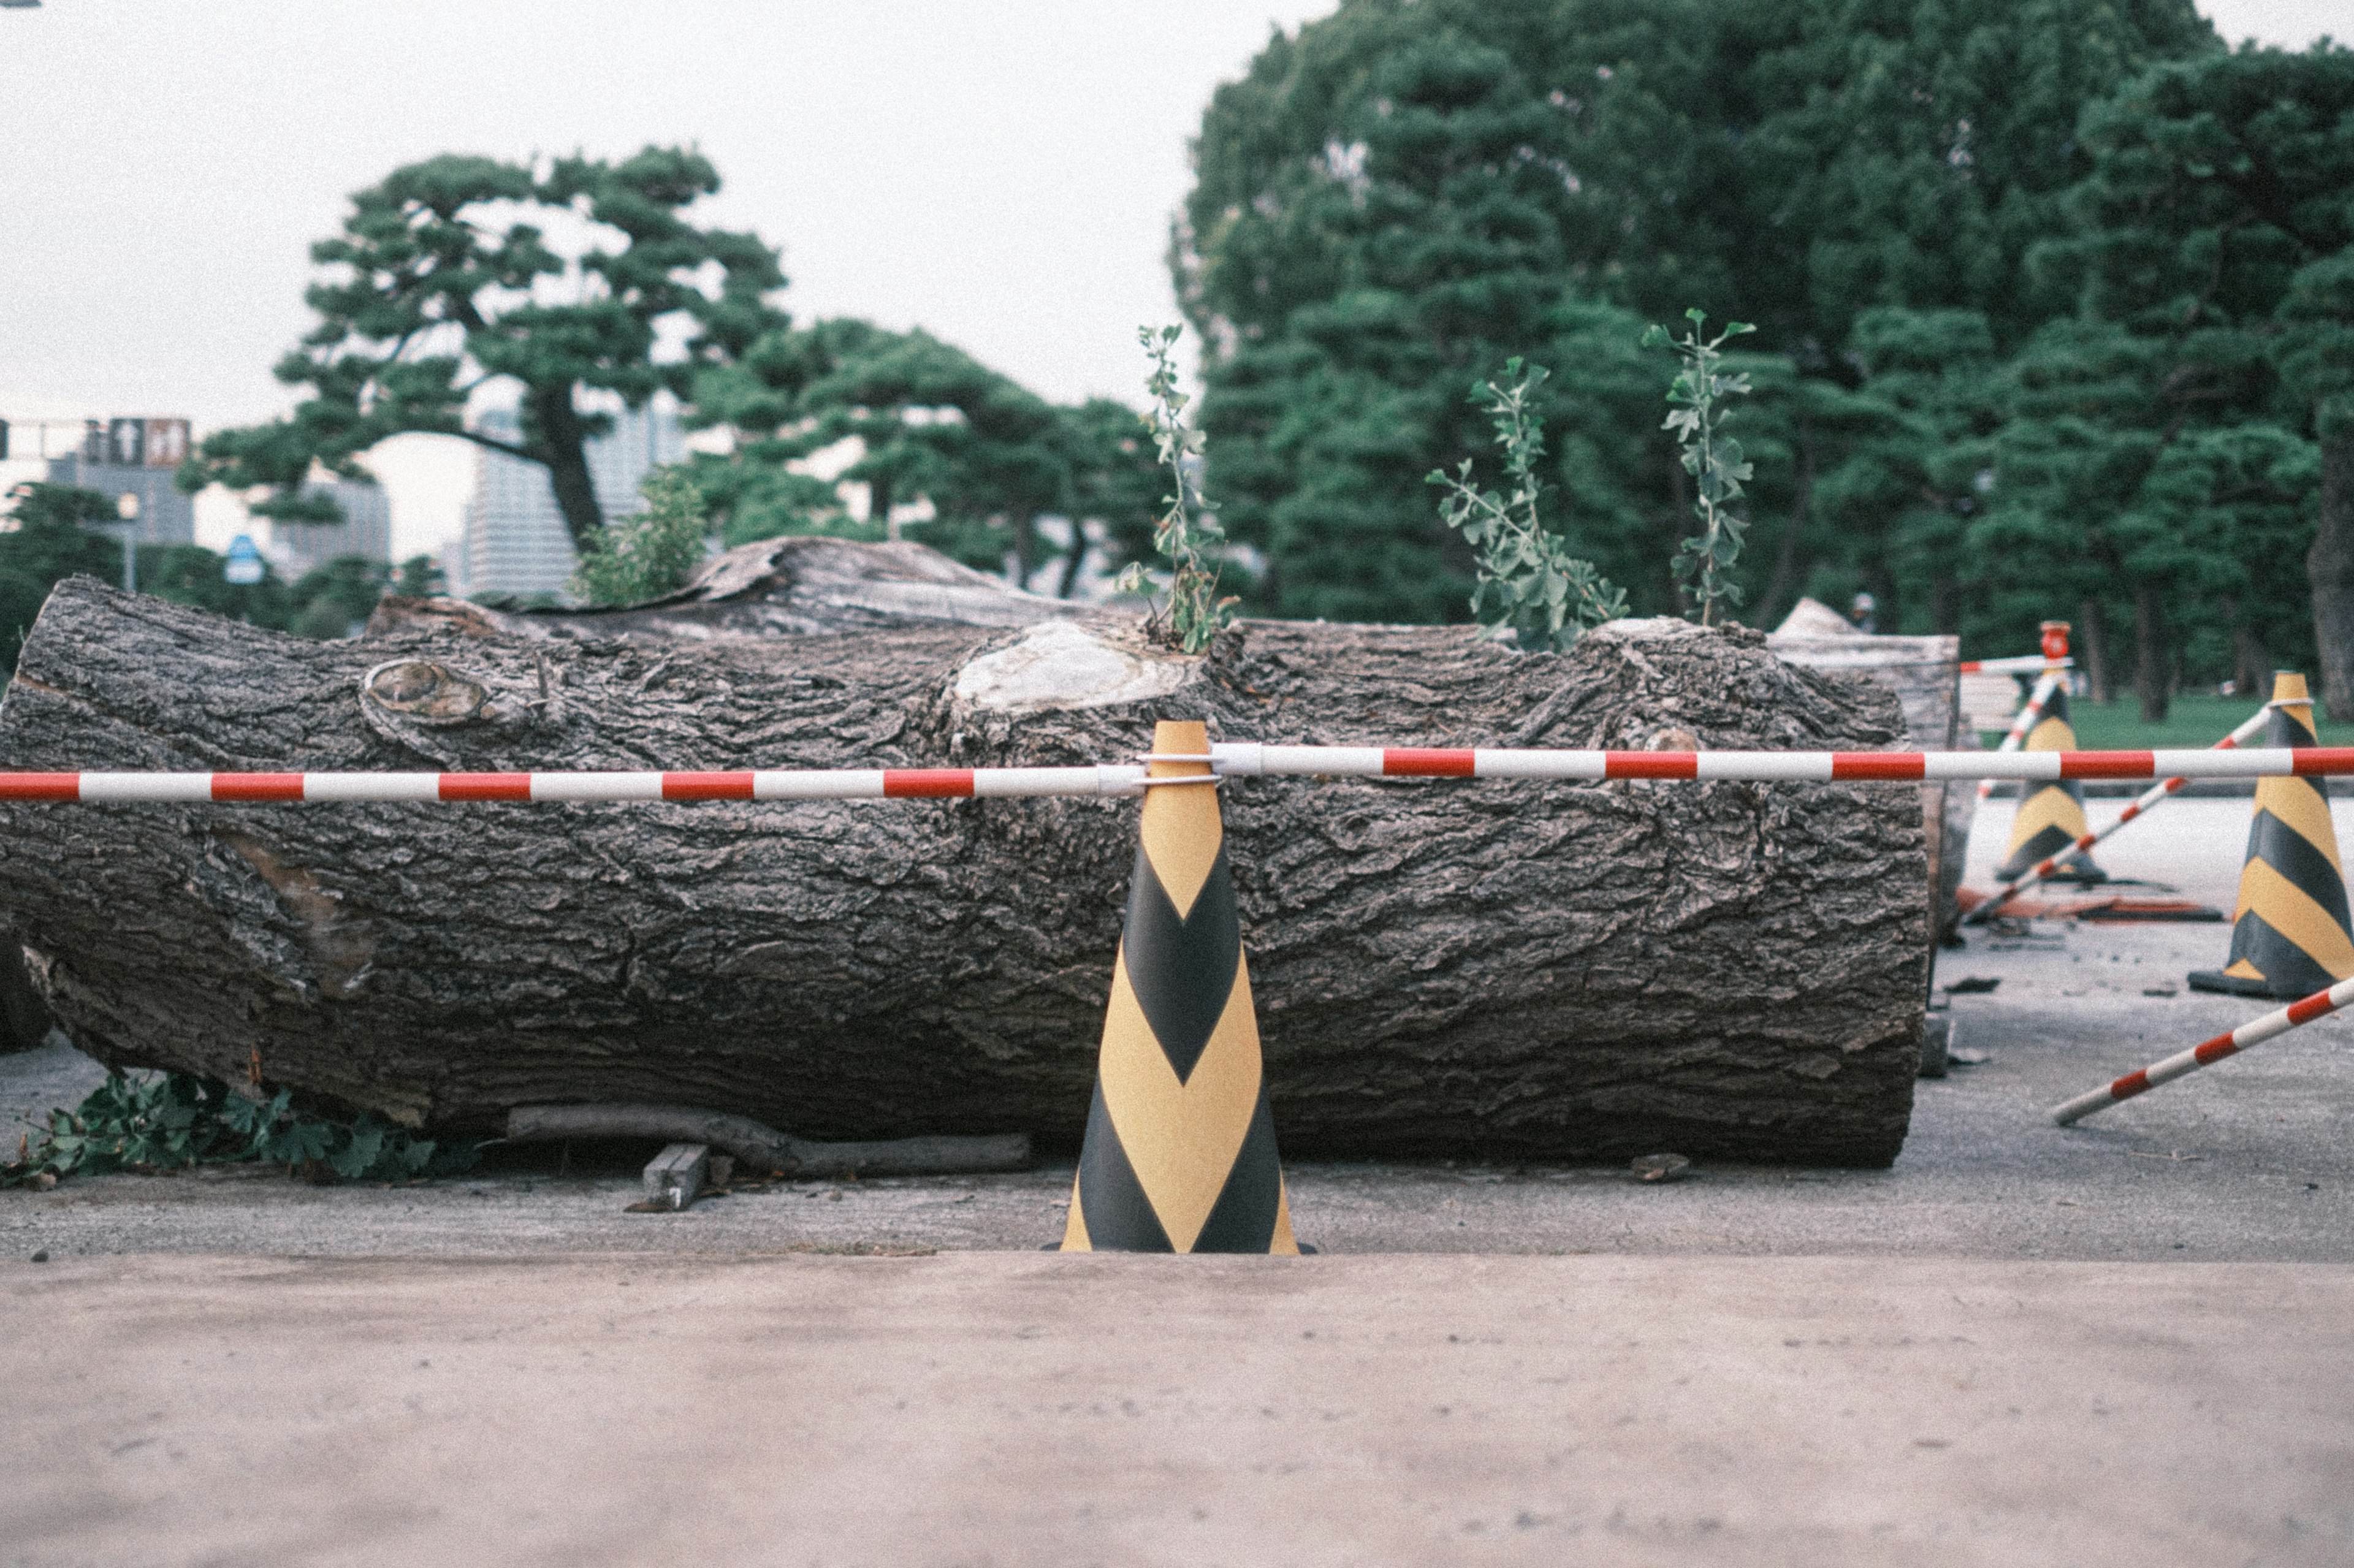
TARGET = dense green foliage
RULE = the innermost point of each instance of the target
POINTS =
(1915, 200)
(2167, 442)
(445, 280)
(169, 1121)
(647, 554)
(926, 429)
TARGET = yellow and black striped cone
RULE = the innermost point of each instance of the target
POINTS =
(2289, 935)
(2051, 815)
(1180, 1153)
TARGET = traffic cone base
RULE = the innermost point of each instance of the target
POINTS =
(2290, 934)
(1180, 1153)
(2050, 816)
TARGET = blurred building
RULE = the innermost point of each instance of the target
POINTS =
(295, 548)
(514, 540)
(135, 457)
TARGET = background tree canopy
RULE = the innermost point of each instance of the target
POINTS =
(2056, 303)
(2053, 297)
(445, 281)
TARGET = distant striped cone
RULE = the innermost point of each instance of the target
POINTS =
(2289, 935)
(1180, 1153)
(2051, 815)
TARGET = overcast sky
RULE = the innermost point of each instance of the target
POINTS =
(1001, 172)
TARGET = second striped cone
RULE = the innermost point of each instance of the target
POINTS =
(2289, 935)
(1180, 1153)
(2051, 815)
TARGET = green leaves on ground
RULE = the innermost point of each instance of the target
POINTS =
(1528, 583)
(170, 1121)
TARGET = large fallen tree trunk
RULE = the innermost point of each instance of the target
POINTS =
(1489, 969)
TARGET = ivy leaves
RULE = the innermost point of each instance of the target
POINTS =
(1704, 563)
(1529, 582)
(177, 1119)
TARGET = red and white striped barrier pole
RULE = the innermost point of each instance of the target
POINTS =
(2026, 721)
(2024, 665)
(1245, 760)
(779, 784)
(2142, 804)
(2320, 1005)
(1250, 759)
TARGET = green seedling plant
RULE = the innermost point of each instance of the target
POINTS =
(649, 555)
(1696, 415)
(1186, 536)
(1529, 582)
(169, 1121)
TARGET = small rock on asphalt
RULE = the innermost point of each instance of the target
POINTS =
(1658, 1167)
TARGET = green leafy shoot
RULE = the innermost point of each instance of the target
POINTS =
(650, 554)
(173, 1120)
(1185, 537)
(1529, 582)
(1714, 460)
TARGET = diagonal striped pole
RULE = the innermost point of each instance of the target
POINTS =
(2272, 1025)
(2141, 806)
(2029, 717)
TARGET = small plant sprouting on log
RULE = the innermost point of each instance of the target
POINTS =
(1704, 563)
(1184, 535)
(177, 1119)
(650, 554)
(1528, 580)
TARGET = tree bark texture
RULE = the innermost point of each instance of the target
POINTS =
(775, 588)
(2094, 635)
(565, 435)
(1486, 970)
(2329, 566)
(2153, 661)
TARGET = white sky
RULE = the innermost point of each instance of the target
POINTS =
(1001, 173)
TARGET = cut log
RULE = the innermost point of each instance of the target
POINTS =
(774, 588)
(1491, 971)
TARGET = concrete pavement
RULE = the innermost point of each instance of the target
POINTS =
(974, 1409)
(2124, 1342)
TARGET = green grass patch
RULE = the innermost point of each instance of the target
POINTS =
(2193, 721)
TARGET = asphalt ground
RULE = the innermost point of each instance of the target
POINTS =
(2126, 1341)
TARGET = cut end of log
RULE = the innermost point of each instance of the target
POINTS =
(1067, 666)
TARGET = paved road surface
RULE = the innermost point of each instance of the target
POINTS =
(2126, 1343)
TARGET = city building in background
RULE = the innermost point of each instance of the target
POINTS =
(295, 548)
(514, 540)
(134, 457)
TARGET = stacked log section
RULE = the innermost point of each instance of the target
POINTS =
(1467, 969)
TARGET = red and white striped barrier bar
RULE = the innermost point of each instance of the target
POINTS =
(2026, 721)
(781, 784)
(2024, 665)
(2140, 806)
(1249, 759)
(2320, 1005)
